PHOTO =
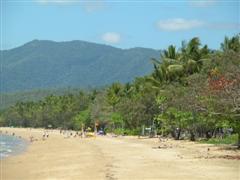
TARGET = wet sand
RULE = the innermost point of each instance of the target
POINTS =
(59, 158)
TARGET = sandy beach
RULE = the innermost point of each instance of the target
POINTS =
(59, 158)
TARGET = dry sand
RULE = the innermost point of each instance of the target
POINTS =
(59, 158)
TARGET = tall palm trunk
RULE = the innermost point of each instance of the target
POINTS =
(238, 144)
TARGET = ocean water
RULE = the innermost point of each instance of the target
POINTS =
(11, 145)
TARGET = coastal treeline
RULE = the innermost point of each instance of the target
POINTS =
(193, 92)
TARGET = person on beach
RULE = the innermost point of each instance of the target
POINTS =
(31, 138)
(46, 134)
(43, 136)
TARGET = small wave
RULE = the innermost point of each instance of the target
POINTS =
(2, 143)
(10, 145)
(8, 150)
(5, 150)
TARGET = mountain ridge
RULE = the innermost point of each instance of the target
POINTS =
(50, 64)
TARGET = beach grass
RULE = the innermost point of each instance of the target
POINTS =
(232, 139)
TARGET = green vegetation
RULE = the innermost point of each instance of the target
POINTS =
(232, 139)
(192, 93)
(9, 99)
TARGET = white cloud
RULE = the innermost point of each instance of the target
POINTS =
(202, 3)
(178, 24)
(55, 1)
(111, 37)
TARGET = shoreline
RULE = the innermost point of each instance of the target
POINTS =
(12, 145)
(105, 157)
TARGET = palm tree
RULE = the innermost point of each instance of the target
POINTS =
(114, 92)
(193, 56)
(225, 45)
(170, 53)
(168, 69)
(231, 44)
(127, 90)
(175, 65)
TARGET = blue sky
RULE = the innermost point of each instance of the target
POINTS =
(123, 24)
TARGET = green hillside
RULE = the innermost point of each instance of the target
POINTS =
(48, 64)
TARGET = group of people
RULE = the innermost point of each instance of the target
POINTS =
(68, 134)
(44, 136)
(6, 132)
(74, 134)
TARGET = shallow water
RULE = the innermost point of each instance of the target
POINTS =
(11, 145)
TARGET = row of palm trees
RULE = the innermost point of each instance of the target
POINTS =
(174, 64)
(232, 43)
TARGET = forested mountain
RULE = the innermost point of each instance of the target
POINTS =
(49, 64)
